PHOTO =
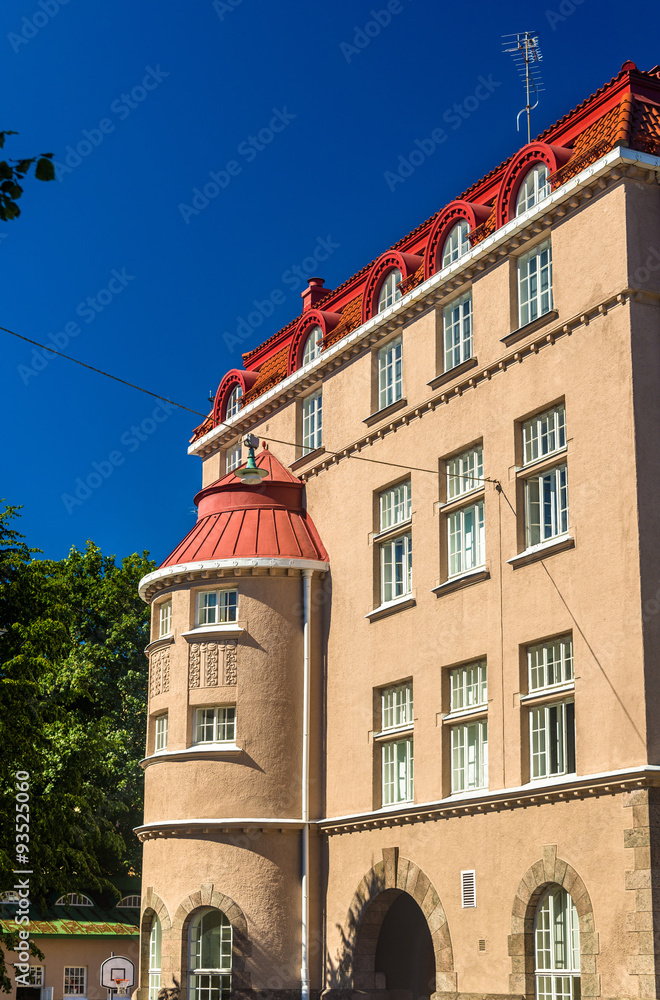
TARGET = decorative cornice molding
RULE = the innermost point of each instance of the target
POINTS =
(170, 576)
(191, 827)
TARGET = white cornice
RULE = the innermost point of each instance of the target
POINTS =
(167, 575)
(401, 311)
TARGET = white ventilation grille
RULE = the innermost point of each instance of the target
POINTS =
(468, 889)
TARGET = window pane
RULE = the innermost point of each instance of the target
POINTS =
(313, 345)
(457, 326)
(161, 733)
(466, 539)
(468, 687)
(457, 243)
(397, 706)
(550, 663)
(312, 422)
(390, 291)
(390, 381)
(535, 283)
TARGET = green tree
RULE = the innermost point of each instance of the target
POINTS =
(12, 172)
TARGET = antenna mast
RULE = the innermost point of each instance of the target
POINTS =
(524, 47)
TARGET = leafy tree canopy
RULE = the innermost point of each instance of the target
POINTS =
(12, 172)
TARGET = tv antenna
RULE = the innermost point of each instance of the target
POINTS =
(524, 47)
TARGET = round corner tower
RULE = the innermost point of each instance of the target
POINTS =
(232, 778)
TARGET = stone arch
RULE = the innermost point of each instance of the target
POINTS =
(373, 898)
(550, 870)
(241, 948)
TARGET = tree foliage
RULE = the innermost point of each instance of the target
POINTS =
(73, 698)
(12, 172)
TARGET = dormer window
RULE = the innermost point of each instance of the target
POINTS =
(313, 345)
(390, 291)
(234, 402)
(534, 188)
(457, 243)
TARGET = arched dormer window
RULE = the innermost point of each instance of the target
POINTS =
(74, 899)
(389, 290)
(155, 937)
(129, 903)
(209, 966)
(557, 947)
(534, 188)
(313, 345)
(457, 243)
(233, 402)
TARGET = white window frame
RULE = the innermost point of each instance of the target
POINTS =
(233, 457)
(466, 539)
(556, 930)
(468, 687)
(544, 434)
(535, 283)
(160, 733)
(312, 422)
(217, 607)
(550, 664)
(390, 291)
(390, 373)
(546, 505)
(37, 980)
(313, 344)
(155, 946)
(533, 189)
(552, 740)
(396, 567)
(165, 618)
(457, 243)
(200, 979)
(129, 902)
(215, 724)
(469, 756)
(77, 976)
(397, 771)
(74, 899)
(395, 506)
(396, 707)
(457, 331)
(234, 402)
(465, 472)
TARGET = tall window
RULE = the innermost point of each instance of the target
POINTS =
(160, 741)
(233, 457)
(467, 539)
(210, 956)
(313, 345)
(469, 739)
(544, 434)
(312, 422)
(465, 473)
(457, 331)
(75, 980)
(535, 283)
(165, 617)
(215, 725)
(457, 243)
(217, 607)
(390, 381)
(533, 189)
(395, 552)
(397, 755)
(552, 739)
(155, 938)
(557, 947)
(234, 402)
(546, 505)
(390, 291)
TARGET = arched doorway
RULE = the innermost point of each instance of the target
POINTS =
(394, 948)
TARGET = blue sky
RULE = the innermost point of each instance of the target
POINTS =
(141, 103)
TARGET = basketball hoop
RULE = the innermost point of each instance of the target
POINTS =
(121, 986)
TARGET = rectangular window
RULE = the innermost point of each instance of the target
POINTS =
(397, 772)
(544, 434)
(468, 687)
(469, 756)
(165, 618)
(37, 975)
(535, 283)
(550, 664)
(215, 725)
(395, 506)
(397, 706)
(390, 382)
(312, 422)
(467, 548)
(457, 331)
(465, 472)
(160, 742)
(233, 457)
(75, 980)
(396, 568)
(217, 607)
(552, 739)
(546, 505)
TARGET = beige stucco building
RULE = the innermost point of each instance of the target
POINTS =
(403, 733)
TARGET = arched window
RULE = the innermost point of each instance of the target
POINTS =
(389, 290)
(154, 959)
(533, 189)
(457, 243)
(129, 903)
(557, 947)
(209, 967)
(313, 344)
(233, 403)
(74, 899)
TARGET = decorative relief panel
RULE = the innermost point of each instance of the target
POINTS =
(159, 664)
(212, 663)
